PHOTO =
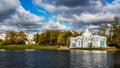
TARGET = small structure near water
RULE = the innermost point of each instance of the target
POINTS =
(87, 39)
(30, 39)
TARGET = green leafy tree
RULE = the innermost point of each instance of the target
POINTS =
(114, 33)
(1, 42)
(66, 35)
(117, 38)
(36, 38)
(47, 37)
(53, 37)
(42, 38)
(68, 41)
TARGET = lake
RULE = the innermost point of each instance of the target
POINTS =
(59, 59)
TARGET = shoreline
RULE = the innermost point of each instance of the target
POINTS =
(87, 48)
(36, 47)
(27, 47)
(100, 49)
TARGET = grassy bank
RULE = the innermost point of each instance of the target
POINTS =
(23, 47)
(48, 47)
(106, 49)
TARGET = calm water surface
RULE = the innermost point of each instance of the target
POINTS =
(59, 59)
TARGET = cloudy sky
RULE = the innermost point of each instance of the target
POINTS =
(39, 15)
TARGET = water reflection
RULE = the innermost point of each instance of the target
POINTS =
(59, 59)
(34, 59)
(9, 59)
(116, 59)
(90, 59)
(29, 58)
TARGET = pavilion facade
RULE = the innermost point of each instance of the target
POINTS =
(87, 39)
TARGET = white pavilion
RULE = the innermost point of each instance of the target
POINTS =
(87, 39)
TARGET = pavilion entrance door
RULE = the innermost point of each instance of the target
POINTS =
(79, 43)
(102, 43)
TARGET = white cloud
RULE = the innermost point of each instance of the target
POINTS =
(93, 13)
(8, 28)
(60, 17)
(26, 16)
(49, 7)
(6, 5)
(88, 17)
(20, 19)
(93, 26)
(54, 26)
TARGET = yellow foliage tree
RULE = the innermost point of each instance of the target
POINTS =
(60, 39)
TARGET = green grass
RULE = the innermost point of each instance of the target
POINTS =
(106, 49)
(23, 47)
(48, 47)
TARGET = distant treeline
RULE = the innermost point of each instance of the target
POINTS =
(14, 38)
(55, 37)
(49, 37)
(112, 32)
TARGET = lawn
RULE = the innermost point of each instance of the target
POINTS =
(48, 47)
(23, 47)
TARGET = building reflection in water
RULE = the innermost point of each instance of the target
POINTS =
(91, 59)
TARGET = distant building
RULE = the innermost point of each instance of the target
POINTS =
(2, 36)
(30, 39)
(87, 39)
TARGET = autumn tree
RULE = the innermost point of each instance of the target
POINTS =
(11, 38)
(53, 37)
(75, 33)
(63, 38)
(21, 37)
(60, 39)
